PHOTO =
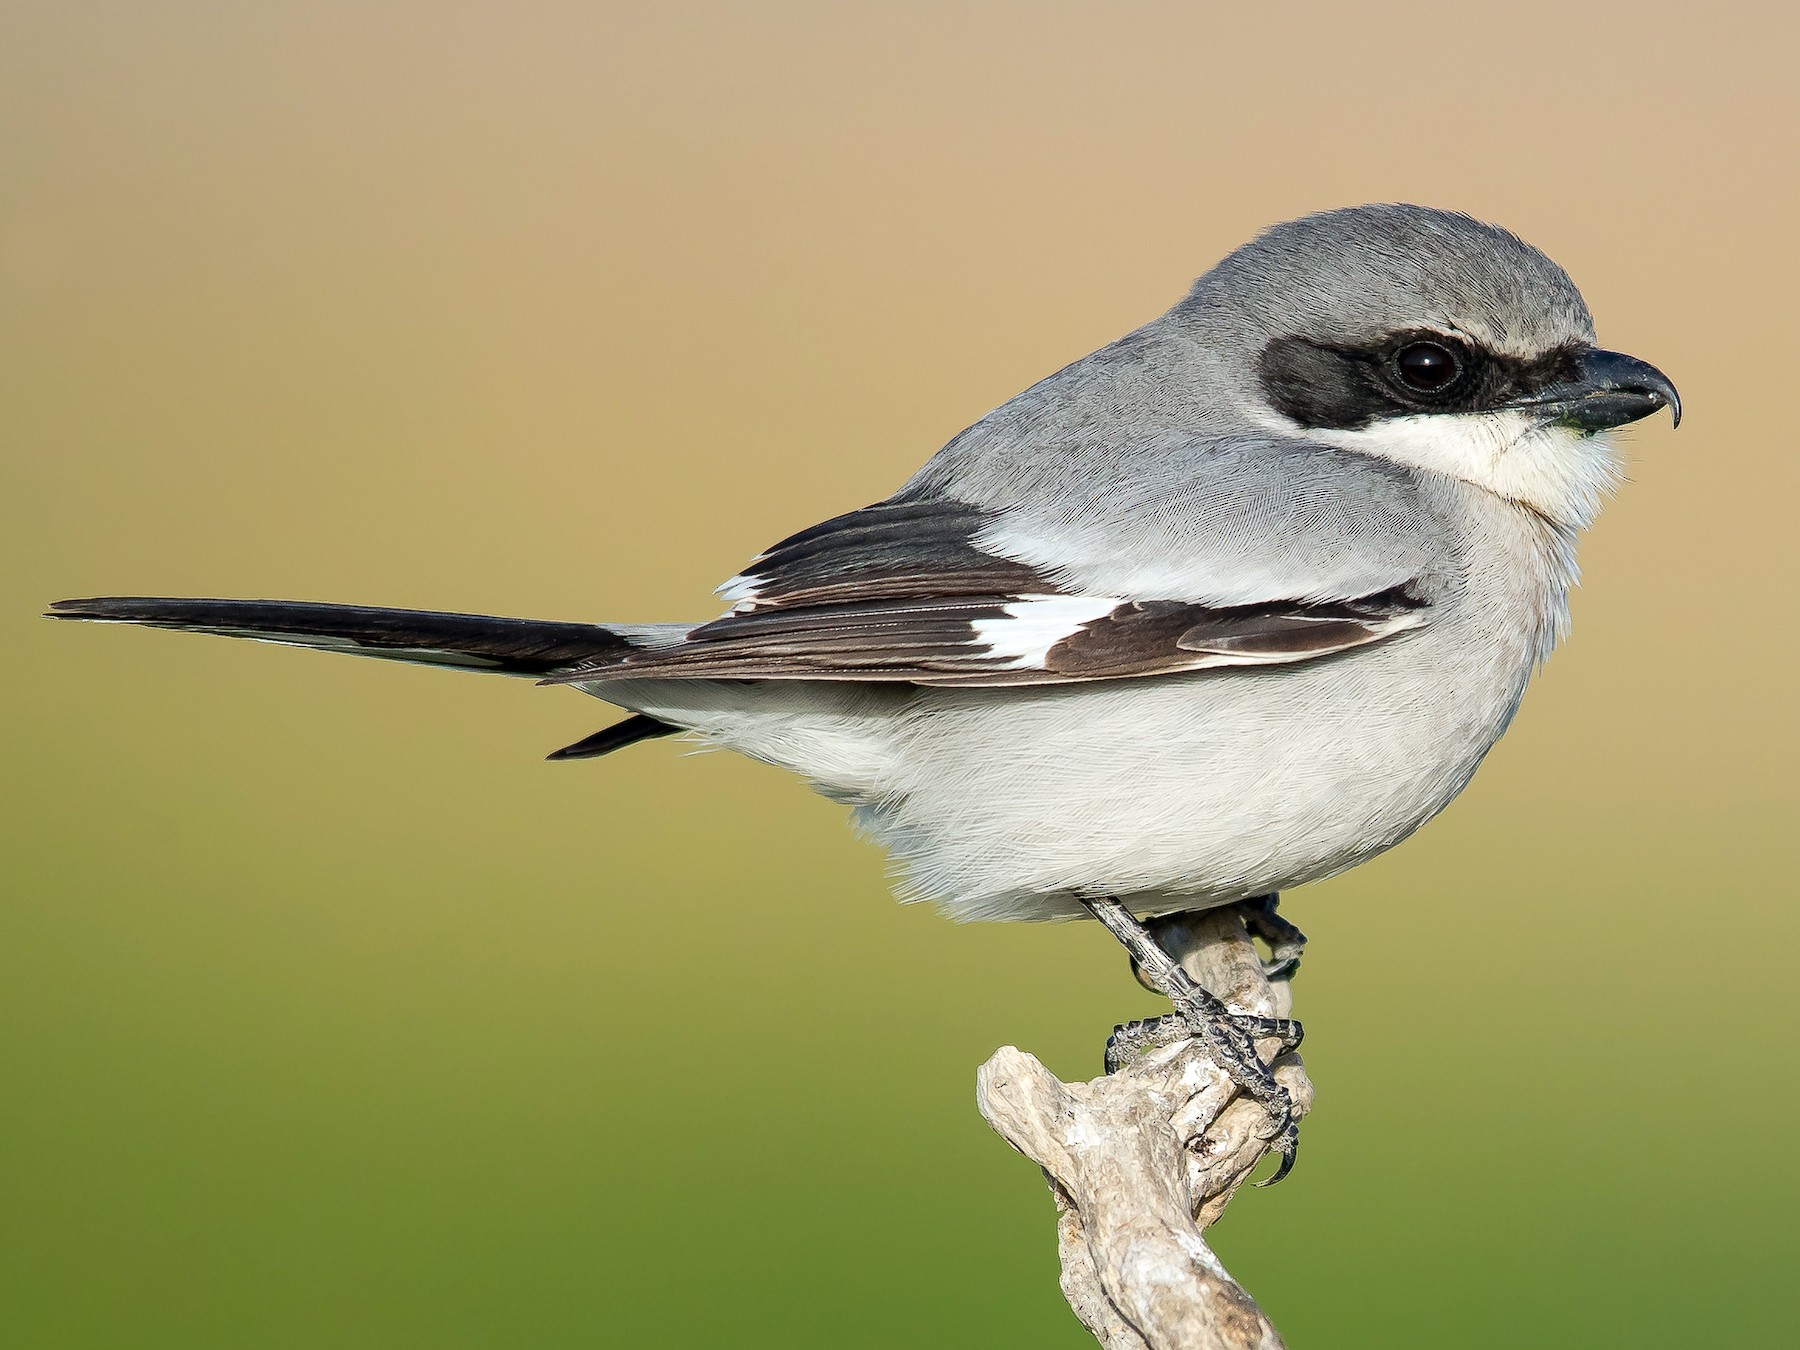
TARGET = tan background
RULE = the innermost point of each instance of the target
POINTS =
(333, 1017)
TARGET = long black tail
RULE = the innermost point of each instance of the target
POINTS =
(425, 637)
(469, 641)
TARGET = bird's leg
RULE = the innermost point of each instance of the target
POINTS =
(1136, 1037)
(1285, 941)
(1230, 1038)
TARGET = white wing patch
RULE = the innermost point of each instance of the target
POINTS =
(1034, 624)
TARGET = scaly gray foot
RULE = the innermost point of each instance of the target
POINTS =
(1230, 1045)
(1131, 1041)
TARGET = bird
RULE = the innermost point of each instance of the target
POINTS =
(1232, 604)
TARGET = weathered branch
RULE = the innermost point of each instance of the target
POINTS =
(1141, 1160)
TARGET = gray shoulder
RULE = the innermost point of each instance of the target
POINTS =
(1227, 520)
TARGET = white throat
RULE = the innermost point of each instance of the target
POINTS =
(1558, 472)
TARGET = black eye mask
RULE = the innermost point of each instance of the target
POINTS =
(1326, 386)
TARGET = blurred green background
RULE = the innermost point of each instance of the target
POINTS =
(333, 1017)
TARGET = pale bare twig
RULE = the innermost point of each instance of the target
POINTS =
(1142, 1160)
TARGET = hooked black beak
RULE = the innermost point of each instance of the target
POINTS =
(1611, 390)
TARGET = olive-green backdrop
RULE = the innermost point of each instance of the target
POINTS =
(333, 1017)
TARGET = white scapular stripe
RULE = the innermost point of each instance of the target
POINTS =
(1036, 623)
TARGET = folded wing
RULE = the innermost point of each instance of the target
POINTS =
(908, 591)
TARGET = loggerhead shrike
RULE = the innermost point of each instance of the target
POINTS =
(1232, 604)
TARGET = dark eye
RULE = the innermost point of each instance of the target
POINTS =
(1427, 367)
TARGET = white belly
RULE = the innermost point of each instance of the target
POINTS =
(1176, 793)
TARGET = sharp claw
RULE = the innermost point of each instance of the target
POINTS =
(1287, 1144)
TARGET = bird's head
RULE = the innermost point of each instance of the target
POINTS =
(1431, 339)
